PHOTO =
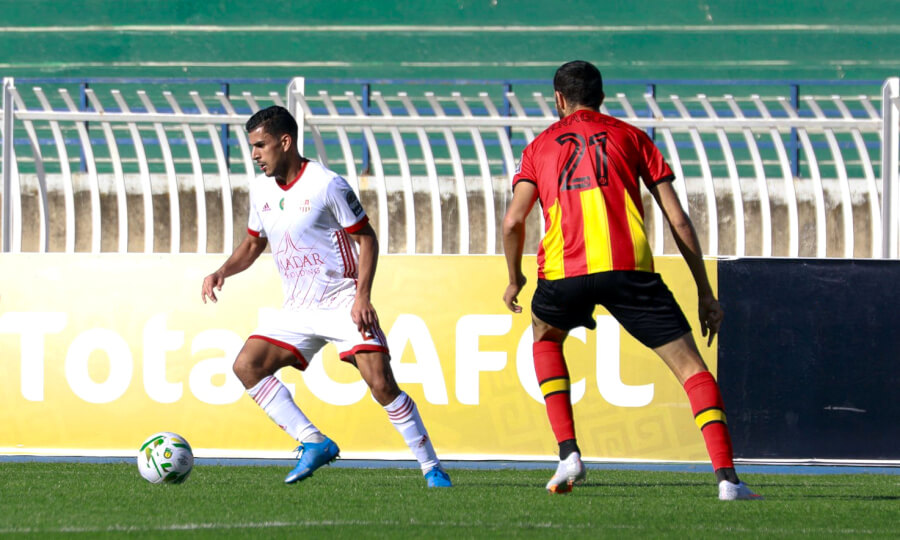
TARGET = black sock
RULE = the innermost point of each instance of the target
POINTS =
(567, 447)
(727, 473)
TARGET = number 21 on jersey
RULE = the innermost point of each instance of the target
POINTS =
(580, 147)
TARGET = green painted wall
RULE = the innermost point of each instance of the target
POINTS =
(448, 39)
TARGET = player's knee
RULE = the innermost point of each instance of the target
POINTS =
(248, 369)
(241, 369)
(542, 331)
(384, 390)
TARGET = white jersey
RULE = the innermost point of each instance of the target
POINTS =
(306, 223)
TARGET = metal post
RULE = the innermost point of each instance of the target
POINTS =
(366, 102)
(651, 89)
(507, 110)
(890, 156)
(795, 141)
(83, 106)
(297, 85)
(225, 147)
(8, 119)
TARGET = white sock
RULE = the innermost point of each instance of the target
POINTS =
(278, 403)
(404, 414)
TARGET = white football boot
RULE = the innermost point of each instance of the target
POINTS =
(736, 492)
(570, 471)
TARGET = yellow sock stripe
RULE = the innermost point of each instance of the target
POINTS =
(552, 386)
(709, 415)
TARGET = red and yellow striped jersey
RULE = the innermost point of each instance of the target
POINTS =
(586, 168)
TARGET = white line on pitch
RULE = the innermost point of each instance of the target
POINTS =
(443, 29)
(597, 528)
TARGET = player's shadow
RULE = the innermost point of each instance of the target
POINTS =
(854, 497)
(637, 490)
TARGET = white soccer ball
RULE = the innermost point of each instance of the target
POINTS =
(165, 457)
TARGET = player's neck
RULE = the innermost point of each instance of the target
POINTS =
(292, 172)
(579, 108)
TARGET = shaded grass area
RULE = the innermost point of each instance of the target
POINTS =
(41, 500)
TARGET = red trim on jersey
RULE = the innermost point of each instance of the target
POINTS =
(253, 233)
(345, 356)
(287, 186)
(338, 237)
(343, 242)
(351, 271)
(301, 362)
(359, 225)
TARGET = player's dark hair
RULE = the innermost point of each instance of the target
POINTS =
(274, 120)
(580, 83)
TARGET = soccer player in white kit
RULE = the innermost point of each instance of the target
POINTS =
(310, 214)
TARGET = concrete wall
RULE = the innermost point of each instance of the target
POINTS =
(449, 214)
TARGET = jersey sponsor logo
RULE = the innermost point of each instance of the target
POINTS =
(354, 203)
(266, 207)
(306, 206)
(294, 262)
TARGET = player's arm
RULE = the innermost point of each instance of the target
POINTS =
(689, 245)
(244, 255)
(524, 195)
(362, 312)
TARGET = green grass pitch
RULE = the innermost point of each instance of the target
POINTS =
(40, 500)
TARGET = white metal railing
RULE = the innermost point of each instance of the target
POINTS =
(725, 151)
(739, 127)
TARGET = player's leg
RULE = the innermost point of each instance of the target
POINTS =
(553, 378)
(646, 308)
(683, 358)
(255, 366)
(375, 368)
(558, 306)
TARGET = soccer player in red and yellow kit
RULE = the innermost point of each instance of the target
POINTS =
(585, 169)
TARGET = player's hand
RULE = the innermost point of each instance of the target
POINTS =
(710, 317)
(363, 314)
(211, 282)
(511, 296)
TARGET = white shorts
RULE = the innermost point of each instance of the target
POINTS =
(304, 333)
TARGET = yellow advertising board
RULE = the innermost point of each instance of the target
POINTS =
(100, 351)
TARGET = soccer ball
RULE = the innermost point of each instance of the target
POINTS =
(165, 458)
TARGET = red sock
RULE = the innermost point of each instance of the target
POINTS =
(553, 376)
(709, 414)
